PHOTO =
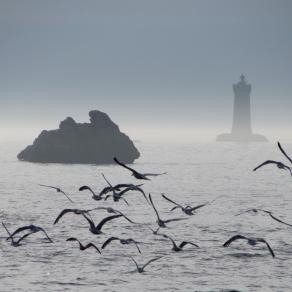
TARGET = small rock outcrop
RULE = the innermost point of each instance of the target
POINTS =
(96, 142)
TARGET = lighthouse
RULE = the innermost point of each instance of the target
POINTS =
(241, 125)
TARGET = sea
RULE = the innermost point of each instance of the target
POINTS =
(220, 174)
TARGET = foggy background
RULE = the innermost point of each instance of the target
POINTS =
(162, 69)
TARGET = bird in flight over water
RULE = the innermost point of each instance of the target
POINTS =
(187, 209)
(250, 241)
(179, 247)
(122, 241)
(58, 191)
(135, 173)
(83, 247)
(15, 242)
(160, 222)
(141, 269)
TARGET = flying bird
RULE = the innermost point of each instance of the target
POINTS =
(279, 164)
(96, 229)
(15, 242)
(122, 241)
(250, 241)
(141, 269)
(285, 154)
(254, 210)
(179, 247)
(160, 222)
(187, 209)
(83, 247)
(135, 173)
(94, 195)
(58, 191)
(32, 228)
(74, 211)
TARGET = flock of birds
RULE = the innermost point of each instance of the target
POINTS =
(117, 192)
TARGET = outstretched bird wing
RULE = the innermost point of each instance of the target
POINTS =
(270, 249)
(86, 188)
(150, 198)
(187, 242)
(135, 263)
(154, 174)
(110, 185)
(65, 211)
(106, 219)
(199, 206)
(152, 260)
(43, 230)
(166, 198)
(92, 245)
(265, 163)
(124, 165)
(285, 154)
(277, 219)
(57, 189)
(233, 238)
(23, 237)
(19, 230)
(109, 240)
(175, 219)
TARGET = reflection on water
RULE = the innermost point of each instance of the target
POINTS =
(197, 174)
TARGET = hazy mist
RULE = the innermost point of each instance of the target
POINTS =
(162, 69)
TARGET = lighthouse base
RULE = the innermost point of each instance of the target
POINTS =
(231, 137)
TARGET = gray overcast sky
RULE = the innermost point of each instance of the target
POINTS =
(152, 65)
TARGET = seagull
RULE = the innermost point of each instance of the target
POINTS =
(82, 247)
(117, 196)
(141, 269)
(250, 241)
(182, 244)
(96, 229)
(279, 164)
(114, 211)
(94, 195)
(13, 242)
(32, 228)
(155, 232)
(75, 211)
(187, 210)
(285, 154)
(135, 173)
(58, 191)
(160, 222)
(267, 212)
(122, 241)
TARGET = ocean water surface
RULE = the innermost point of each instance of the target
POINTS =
(196, 174)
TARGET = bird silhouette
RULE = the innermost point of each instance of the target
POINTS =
(250, 241)
(135, 173)
(58, 191)
(84, 247)
(122, 241)
(140, 269)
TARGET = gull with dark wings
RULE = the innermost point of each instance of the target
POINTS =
(96, 229)
(32, 228)
(58, 191)
(254, 210)
(122, 241)
(74, 211)
(160, 222)
(141, 269)
(15, 242)
(187, 209)
(96, 197)
(279, 164)
(84, 247)
(135, 173)
(250, 241)
(179, 247)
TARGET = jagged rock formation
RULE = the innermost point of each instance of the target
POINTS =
(96, 142)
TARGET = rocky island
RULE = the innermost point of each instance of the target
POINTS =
(96, 142)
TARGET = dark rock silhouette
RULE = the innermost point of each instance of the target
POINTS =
(96, 142)
(241, 126)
